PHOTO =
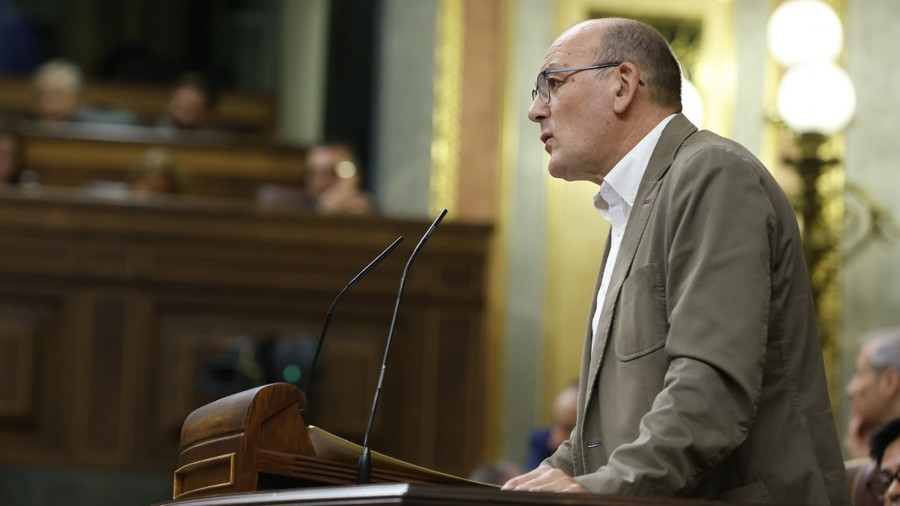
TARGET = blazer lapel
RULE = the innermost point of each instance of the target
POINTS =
(678, 129)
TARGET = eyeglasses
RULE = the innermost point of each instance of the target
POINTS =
(542, 85)
(879, 484)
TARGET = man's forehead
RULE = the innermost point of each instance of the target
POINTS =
(577, 44)
(566, 53)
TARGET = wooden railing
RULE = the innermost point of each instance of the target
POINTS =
(216, 163)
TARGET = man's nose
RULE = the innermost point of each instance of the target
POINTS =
(538, 110)
(850, 390)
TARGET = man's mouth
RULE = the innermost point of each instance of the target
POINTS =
(545, 138)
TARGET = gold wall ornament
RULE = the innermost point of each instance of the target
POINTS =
(819, 205)
(815, 101)
(445, 143)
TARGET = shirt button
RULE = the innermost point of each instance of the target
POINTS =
(618, 232)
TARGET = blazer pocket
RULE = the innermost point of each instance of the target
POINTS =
(642, 322)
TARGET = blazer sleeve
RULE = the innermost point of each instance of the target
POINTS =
(562, 458)
(715, 260)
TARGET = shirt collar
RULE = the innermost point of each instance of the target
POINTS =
(625, 178)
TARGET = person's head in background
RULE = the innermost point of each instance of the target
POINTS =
(57, 86)
(326, 165)
(885, 451)
(874, 389)
(565, 408)
(333, 180)
(192, 102)
(157, 172)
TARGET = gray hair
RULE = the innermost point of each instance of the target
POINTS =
(639, 43)
(886, 354)
(62, 67)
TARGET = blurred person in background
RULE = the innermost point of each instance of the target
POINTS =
(58, 84)
(333, 184)
(191, 104)
(57, 88)
(542, 443)
(333, 181)
(874, 389)
(157, 172)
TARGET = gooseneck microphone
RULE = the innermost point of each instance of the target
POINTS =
(362, 274)
(365, 459)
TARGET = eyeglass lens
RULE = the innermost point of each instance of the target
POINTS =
(880, 483)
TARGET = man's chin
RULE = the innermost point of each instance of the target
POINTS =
(556, 171)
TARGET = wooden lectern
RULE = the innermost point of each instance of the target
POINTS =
(236, 450)
(257, 440)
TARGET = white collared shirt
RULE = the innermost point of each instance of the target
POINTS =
(615, 201)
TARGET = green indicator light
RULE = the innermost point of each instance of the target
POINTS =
(291, 374)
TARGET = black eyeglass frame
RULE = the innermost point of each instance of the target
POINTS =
(543, 75)
(884, 475)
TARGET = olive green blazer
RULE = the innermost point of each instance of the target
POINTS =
(706, 376)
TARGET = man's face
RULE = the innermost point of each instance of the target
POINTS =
(866, 389)
(577, 124)
(188, 107)
(57, 97)
(890, 463)
(320, 169)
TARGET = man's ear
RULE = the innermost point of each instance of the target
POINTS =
(890, 380)
(627, 80)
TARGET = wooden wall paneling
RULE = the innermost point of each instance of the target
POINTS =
(106, 377)
(460, 379)
(342, 389)
(18, 359)
(34, 372)
(131, 302)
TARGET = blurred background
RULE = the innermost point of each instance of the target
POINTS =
(163, 246)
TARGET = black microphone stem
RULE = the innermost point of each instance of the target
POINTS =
(372, 264)
(364, 475)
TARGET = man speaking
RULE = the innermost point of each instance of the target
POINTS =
(702, 372)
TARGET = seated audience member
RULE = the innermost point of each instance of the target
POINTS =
(874, 389)
(495, 473)
(543, 442)
(157, 172)
(191, 105)
(333, 180)
(885, 451)
(57, 87)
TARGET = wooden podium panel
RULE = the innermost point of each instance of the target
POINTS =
(257, 440)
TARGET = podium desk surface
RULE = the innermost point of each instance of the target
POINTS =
(426, 495)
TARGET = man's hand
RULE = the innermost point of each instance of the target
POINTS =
(544, 479)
